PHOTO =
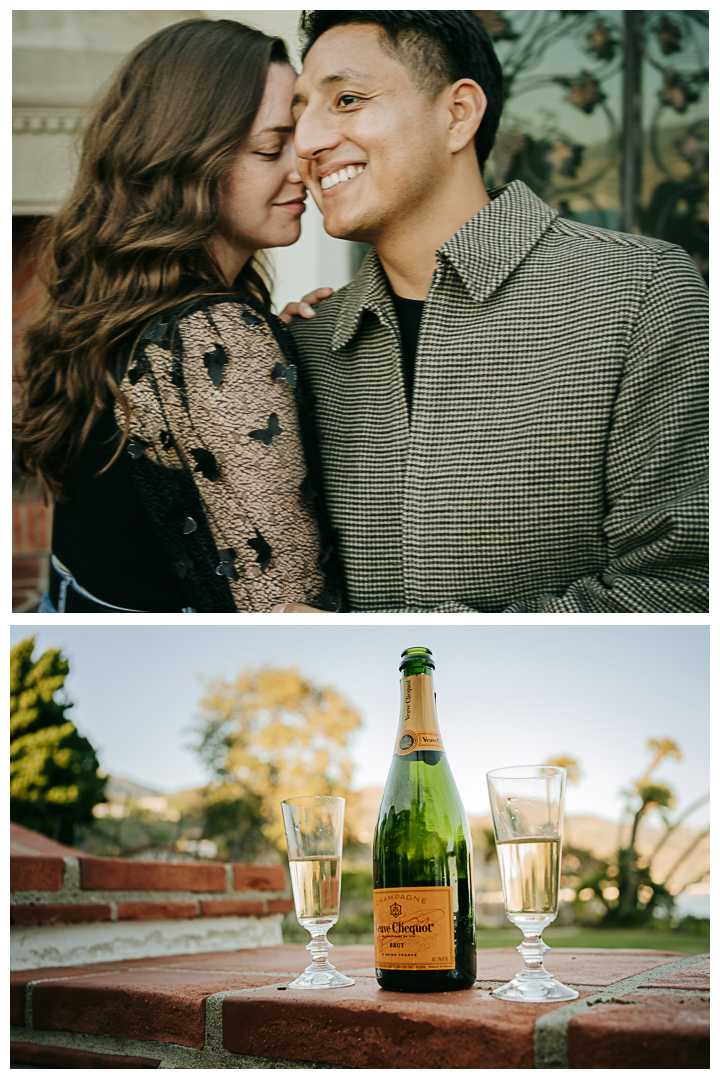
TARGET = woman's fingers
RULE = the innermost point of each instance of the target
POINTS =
(289, 312)
(303, 307)
(282, 609)
(317, 295)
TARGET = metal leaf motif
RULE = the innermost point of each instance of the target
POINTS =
(584, 92)
(601, 41)
(677, 92)
(565, 157)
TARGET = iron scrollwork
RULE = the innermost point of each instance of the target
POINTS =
(631, 74)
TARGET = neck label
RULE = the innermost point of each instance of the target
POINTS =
(418, 729)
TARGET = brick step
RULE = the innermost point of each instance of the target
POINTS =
(76, 908)
(637, 1009)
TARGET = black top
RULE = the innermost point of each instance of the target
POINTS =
(409, 313)
(104, 536)
(140, 535)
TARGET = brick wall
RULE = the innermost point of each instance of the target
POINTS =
(101, 897)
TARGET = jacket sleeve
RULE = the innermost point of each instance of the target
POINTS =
(656, 525)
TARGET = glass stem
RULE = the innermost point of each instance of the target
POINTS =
(533, 948)
(319, 947)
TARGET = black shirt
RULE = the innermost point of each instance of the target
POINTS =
(409, 313)
(102, 533)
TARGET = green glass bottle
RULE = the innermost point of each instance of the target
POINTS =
(423, 891)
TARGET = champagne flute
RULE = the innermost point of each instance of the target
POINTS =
(527, 811)
(314, 835)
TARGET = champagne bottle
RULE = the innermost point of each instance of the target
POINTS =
(423, 891)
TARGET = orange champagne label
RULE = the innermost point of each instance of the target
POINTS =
(408, 740)
(414, 929)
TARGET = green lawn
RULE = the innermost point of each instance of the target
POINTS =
(573, 938)
(561, 938)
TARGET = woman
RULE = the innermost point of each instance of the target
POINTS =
(161, 405)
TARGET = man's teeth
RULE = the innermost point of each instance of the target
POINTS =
(339, 177)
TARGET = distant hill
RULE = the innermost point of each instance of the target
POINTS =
(118, 789)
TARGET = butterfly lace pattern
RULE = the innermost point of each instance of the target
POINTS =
(218, 459)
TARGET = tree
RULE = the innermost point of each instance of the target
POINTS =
(269, 735)
(628, 890)
(570, 765)
(54, 780)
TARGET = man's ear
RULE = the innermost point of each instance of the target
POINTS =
(466, 104)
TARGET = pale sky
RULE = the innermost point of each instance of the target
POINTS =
(506, 695)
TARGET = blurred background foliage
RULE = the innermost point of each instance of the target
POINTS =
(54, 778)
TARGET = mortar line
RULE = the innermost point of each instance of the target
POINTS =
(213, 1013)
(551, 1029)
(170, 1055)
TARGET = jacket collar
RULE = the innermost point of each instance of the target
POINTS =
(484, 252)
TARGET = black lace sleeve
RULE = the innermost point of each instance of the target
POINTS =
(313, 488)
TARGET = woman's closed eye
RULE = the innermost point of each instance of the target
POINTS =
(272, 154)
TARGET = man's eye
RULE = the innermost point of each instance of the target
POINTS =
(348, 99)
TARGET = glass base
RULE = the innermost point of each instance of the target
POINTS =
(320, 975)
(536, 991)
(534, 983)
(320, 980)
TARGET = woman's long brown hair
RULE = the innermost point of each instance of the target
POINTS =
(133, 240)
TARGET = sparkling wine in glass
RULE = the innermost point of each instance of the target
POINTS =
(527, 810)
(314, 834)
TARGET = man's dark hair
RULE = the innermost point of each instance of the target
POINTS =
(437, 47)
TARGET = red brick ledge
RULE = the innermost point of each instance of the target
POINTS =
(46, 873)
(48, 889)
(224, 1010)
(58, 1057)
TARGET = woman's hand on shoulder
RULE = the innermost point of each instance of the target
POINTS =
(282, 609)
(304, 307)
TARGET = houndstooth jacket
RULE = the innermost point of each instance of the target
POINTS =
(554, 458)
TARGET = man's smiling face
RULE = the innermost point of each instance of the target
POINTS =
(368, 140)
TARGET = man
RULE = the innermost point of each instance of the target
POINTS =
(510, 404)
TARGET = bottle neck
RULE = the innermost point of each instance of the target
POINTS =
(418, 728)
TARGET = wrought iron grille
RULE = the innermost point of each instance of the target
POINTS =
(606, 117)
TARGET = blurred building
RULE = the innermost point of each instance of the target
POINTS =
(62, 63)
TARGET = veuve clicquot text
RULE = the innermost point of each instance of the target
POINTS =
(423, 894)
